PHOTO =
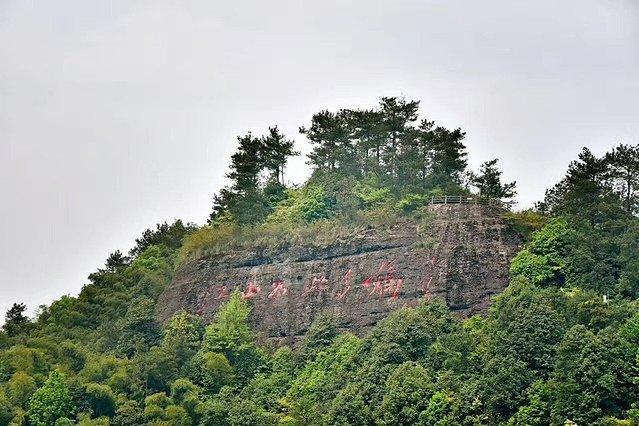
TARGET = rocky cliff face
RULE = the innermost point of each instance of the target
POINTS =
(460, 255)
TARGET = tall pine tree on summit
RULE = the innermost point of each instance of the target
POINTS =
(276, 151)
(489, 182)
(245, 199)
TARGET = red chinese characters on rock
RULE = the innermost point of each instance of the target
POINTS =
(386, 282)
(426, 286)
(223, 293)
(278, 289)
(318, 285)
(427, 281)
(393, 287)
(251, 291)
(204, 301)
(347, 281)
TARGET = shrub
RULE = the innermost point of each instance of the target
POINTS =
(207, 237)
(211, 370)
(20, 388)
(538, 269)
(314, 205)
(412, 202)
(100, 399)
(543, 260)
(6, 411)
(526, 222)
(51, 402)
(371, 196)
(129, 413)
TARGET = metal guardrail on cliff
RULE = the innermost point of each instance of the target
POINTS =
(461, 199)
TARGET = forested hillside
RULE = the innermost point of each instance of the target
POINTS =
(559, 346)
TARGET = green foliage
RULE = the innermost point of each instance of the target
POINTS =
(6, 409)
(183, 336)
(230, 330)
(587, 191)
(349, 408)
(438, 410)
(160, 410)
(319, 378)
(5, 340)
(169, 236)
(303, 206)
(100, 399)
(597, 367)
(51, 402)
(314, 205)
(537, 410)
(488, 182)
(628, 284)
(113, 315)
(623, 169)
(528, 325)
(406, 395)
(387, 143)
(159, 368)
(412, 202)
(129, 413)
(211, 370)
(543, 261)
(21, 358)
(320, 335)
(230, 335)
(138, 329)
(371, 196)
(20, 388)
(249, 199)
(526, 222)
(538, 269)
(15, 322)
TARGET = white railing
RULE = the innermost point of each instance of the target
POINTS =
(462, 199)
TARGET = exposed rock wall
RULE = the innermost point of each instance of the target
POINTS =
(461, 255)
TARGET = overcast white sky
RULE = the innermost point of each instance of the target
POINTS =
(115, 115)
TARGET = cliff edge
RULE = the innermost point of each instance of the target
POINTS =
(460, 254)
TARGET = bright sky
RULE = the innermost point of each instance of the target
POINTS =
(116, 115)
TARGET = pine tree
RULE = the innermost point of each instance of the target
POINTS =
(329, 134)
(489, 182)
(15, 321)
(421, 154)
(116, 260)
(367, 132)
(398, 115)
(412, 166)
(448, 157)
(247, 163)
(276, 150)
(623, 164)
(584, 192)
(245, 199)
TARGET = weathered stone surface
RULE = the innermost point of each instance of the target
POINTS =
(461, 256)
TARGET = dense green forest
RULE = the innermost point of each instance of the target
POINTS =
(559, 346)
